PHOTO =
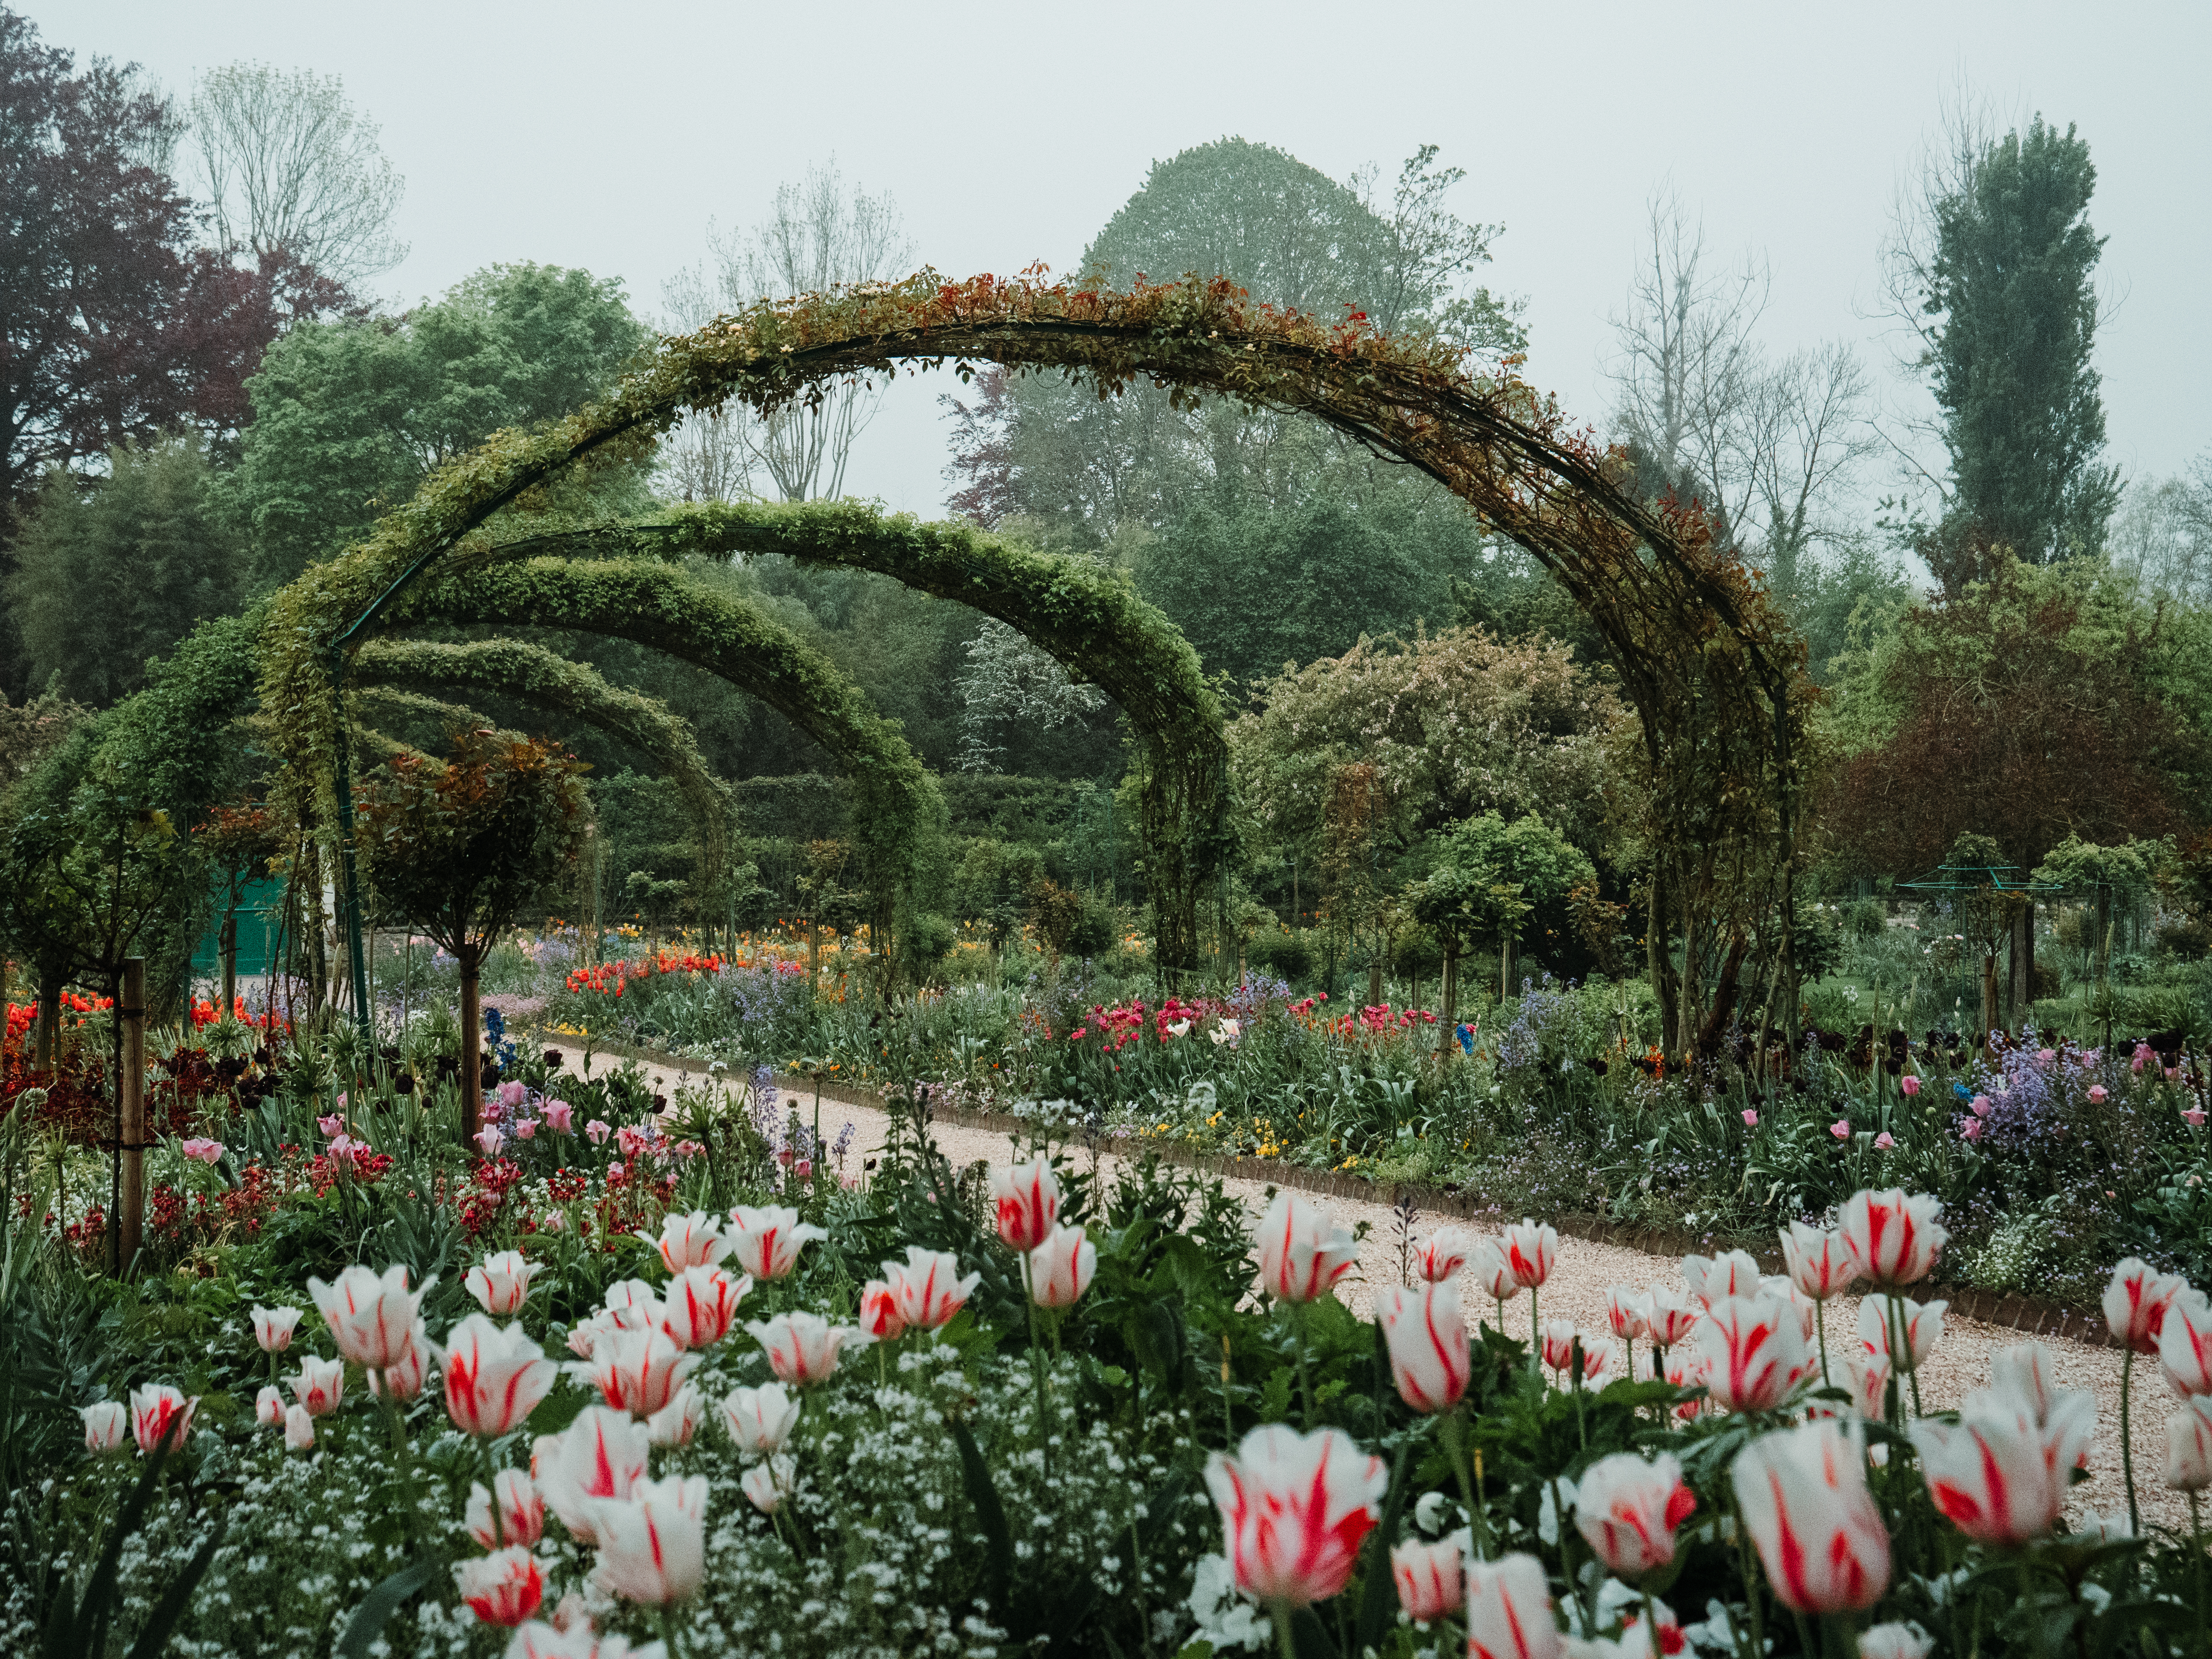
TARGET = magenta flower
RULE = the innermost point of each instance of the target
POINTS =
(1910, 1086)
(2098, 1094)
(1841, 1128)
(1750, 1120)
(1884, 1141)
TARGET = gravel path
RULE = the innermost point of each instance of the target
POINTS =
(1576, 1289)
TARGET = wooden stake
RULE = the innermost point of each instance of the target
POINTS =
(131, 1095)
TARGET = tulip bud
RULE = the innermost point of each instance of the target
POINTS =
(319, 1386)
(522, 1511)
(500, 1283)
(1061, 1267)
(2184, 1344)
(929, 1287)
(1887, 1322)
(1802, 1494)
(1628, 1510)
(760, 1419)
(1493, 1272)
(1426, 1335)
(880, 1318)
(1531, 1250)
(273, 1327)
(160, 1414)
(1430, 1579)
(299, 1427)
(767, 1483)
(1028, 1198)
(1294, 1508)
(766, 1242)
(504, 1588)
(1894, 1237)
(1819, 1261)
(674, 1423)
(1443, 1254)
(1713, 1279)
(701, 1304)
(1509, 1610)
(2135, 1302)
(108, 1425)
(495, 1375)
(1302, 1250)
(802, 1348)
(2188, 1445)
(653, 1544)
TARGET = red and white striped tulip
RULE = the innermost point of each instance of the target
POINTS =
(1531, 1249)
(1688, 1368)
(1441, 1255)
(405, 1380)
(1062, 1267)
(879, 1314)
(371, 1315)
(569, 1636)
(504, 1588)
(319, 1386)
(636, 1371)
(760, 1419)
(632, 1305)
(1509, 1611)
(1601, 1358)
(1629, 1511)
(501, 1282)
(766, 1241)
(700, 1306)
(1885, 1320)
(1868, 1372)
(674, 1423)
(1426, 1335)
(653, 1544)
(1294, 1509)
(1027, 1196)
(1675, 1315)
(2184, 1344)
(1493, 1272)
(602, 1455)
(693, 1240)
(1558, 1353)
(803, 1348)
(1712, 1278)
(273, 1327)
(1627, 1314)
(1896, 1235)
(521, 1517)
(269, 1406)
(159, 1414)
(1755, 1353)
(495, 1375)
(1820, 1260)
(2188, 1445)
(1431, 1579)
(929, 1287)
(1802, 1494)
(1302, 1250)
(298, 1428)
(2135, 1302)
(1782, 1288)
(1994, 1472)
(108, 1425)
(769, 1482)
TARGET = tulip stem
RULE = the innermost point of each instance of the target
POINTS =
(2127, 1443)
(1536, 1333)
(1750, 1582)
(1282, 1612)
(1305, 1376)
(2196, 1554)
(1821, 1329)
(1455, 1448)
(491, 1485)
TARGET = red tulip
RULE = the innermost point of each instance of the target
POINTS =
(1028, 1199)
(1294, 1509)
(880, 1318)
(1430, 1579)
(495, 1377)
(1802, 1494)
(1303, 1252)
(1509, 1611)
(1895, 1236)
(504, 1588)
(1426, 1335)
(1629, 1509)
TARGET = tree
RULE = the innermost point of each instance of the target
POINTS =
(462, 849)
(1009, 682)
(816, 237)
(31, 730)
(292, 168)
(2163, 533)
(111, 573)
(1487, 879)
(1991, 266)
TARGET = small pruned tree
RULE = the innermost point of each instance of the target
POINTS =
(462, 849)
(1489, 877)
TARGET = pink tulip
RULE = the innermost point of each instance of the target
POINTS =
(1971, 1129)
(1531, 1250)
(1674, 1315)
(1841, 1128)
(371, 1318)
(273, 1327)
(2188, 1445)
(1302, 1250)
(2135, 1301)
(602, 1455)
(701, 1304)
(1028, 1199)
(298, 1428)
(107, 1425)
(405, 1380)
(1426, 1336)
(803, 1348)
(1294, 1509)
(1980, 1106)
(630, 1141)
(881, 1317)
(1884, 1141)
(1819, 1263)
(766, 1242)
(1710, 1281)
(1896, 1238)
(1430, 1579)
(1880, 1318)
(1626, 1314)
(597, 1132)
(1910, 1085)
(202, 1151)
(2184, 1344)
(1509, 1611)
(160, 1414)
(504, 1588)
(674, 1423)
(332, 1125)
(1750, 1118)
(1443, 1254)
(521, 1517)
(1493, 1272)
(760, 1419)
(688, 1241)
(488, 1140)
(1062, 1268)
(929, 1287)
(500, 1283)
(1755, 1350)
(653, 1544)
(269, 1406)
(636, 1371)
(1988, 1472)
(525, 1128)
(495, 1377)
(1802, 1494)
(512, 1095)
(321, 1385)
(1629, 1510)
(2194, 1117)
(559, 1115)
(2099, 1094)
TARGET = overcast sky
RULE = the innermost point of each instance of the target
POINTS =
(606, 137)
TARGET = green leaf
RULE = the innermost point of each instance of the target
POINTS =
(377, 1607)
(990, 1516)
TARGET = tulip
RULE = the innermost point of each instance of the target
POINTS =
(1531, 1250)
(2184, 1344)
(1302, 1250)
(1426, 1336)
(1674, 1315)
(802, 1347)
(2135, 1302)
(500, 1283)
(107, 1424)
(880, 1318)
(1028, 1198)
(1883, 1319)
(760, 1419)
(319, 1385)
(1493, 1272)
(1894, 1237)
(1712, 1280)
(1442, 1255)
(1430, 1579)
(504, 1588)
(1755, 1350)
(1988, 1472)
(597, 1132)
(1628, 1314)
(1867, 1372)
(688, 1241)
(488, 1140)
(674, 1423)
(521, 1517)
(636, 1371)
(767, 1483)
(766, 1242)
(929, 1287)
(269, 1406)
(1558, 1345)
(653, 1544)
(700, 1305)
(298, 1428)
(574, 1639)
(1802, 1495)
(495, 1377)
(1896, 1641)
(1781, 1288)
(1062, 1267)
(1688, 1368)
(273, 1327)
(2188, 1445)
(559, 1116)
(209, 1152)
(1509, 1611)
(1600, 1357)
(160, 1414)
(1294, 1508)
(1819, 1261)
(634, 1305)
(1628, 1510)
(371, 1318)
(405, 1380)
(602, 1455)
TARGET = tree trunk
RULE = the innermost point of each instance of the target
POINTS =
(1658, 959)
(1988, 999)
(2023, 961)
(472, 1041)
(131, 1096)
(1447, 994)
(226, 948)
(50, 1022)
